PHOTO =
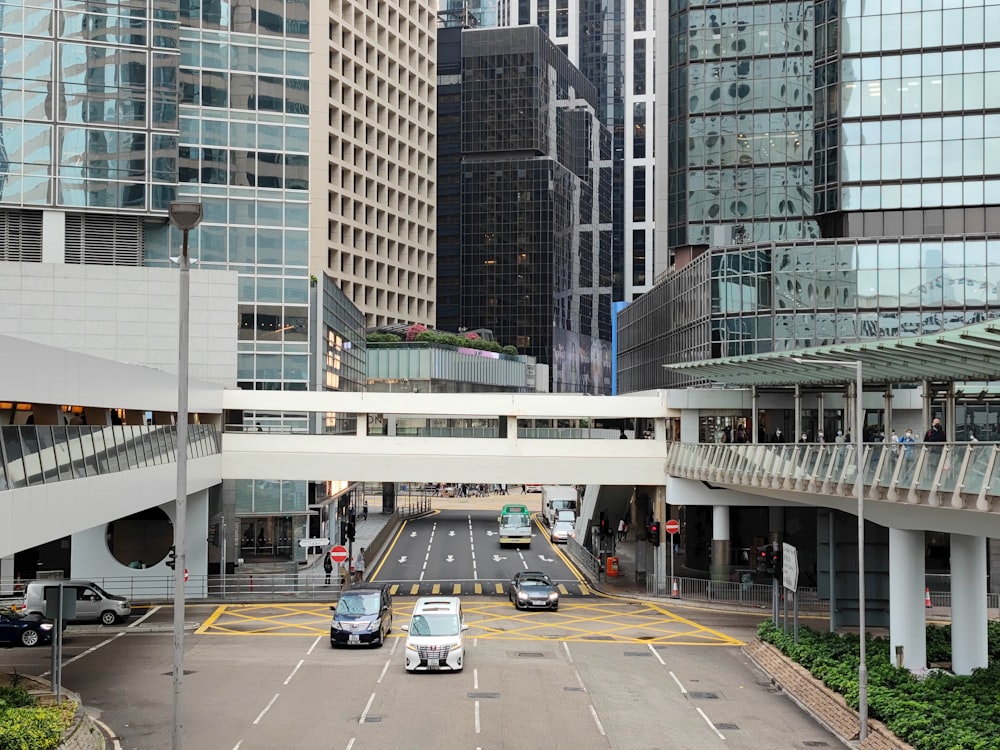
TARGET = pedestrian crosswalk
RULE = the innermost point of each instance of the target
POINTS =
(471, 588)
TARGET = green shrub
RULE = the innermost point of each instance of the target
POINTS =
(24, 725)
(938, 712)
(383, 338)
(511, 350)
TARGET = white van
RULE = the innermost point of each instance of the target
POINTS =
(435, 636)
(93, 604)
(555, 500)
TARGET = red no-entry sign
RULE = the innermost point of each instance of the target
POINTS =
(338, 554)
(673, 526)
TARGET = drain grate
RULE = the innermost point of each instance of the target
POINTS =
(815, 743)
(697, 696)
(721, 725)
(575, 689)
(186, 672)
(483, 696)
(372, 720)
(600, 638)
(637, 653)
(530, 655)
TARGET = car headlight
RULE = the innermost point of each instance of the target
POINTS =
(375, 625)
(521, 595)
(45, 626)
(553, 596)
(334, 625)
(411, 647)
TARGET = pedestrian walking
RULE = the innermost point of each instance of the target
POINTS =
(621, 530)
(327, 567)
(364, 510)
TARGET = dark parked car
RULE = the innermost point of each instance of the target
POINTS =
(530, 589)
(28, 630)
(362, 617)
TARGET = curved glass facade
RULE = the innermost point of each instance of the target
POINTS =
(88, 106)
(740, 130)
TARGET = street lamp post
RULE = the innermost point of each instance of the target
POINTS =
(185, 215)
(859, 418)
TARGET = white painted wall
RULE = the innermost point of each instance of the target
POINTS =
(34, 515)
(123, 313)
(91, 560)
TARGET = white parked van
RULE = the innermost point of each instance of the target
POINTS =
(557, 498)
(435, 635)
(93, 604)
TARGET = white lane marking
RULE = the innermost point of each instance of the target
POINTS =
(145, 616)
(364, 714)
(593, 712)
(236, 746)
(268, 706)
(395, 642)
(89, 651)
(569, 656)
(523, 561)
(683, 689)
(472, 548)
(384, 670)
(709, 722)
(314, 644)
(475, 679)
(579, 680)
(656, 654)
(351, 743)
(477, 717)
(117, 745)
(289, 678)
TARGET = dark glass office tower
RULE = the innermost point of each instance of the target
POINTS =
(523, 205)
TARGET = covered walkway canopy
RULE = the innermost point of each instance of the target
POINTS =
(971, 353)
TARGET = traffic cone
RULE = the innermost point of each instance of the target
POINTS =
(927, 598)
(674, 592)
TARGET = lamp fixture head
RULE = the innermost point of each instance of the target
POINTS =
(185, 215)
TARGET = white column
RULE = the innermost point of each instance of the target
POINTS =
(968, 603)
(53, 237)
(907, 613)
(7, 575)
(720, 543)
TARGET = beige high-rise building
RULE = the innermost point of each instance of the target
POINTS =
(373, 166)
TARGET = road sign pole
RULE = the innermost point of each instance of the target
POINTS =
(673, 581)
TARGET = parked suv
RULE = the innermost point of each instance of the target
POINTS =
(436, 635)
(93, 604)
(362, 616)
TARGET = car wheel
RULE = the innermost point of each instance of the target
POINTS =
(555, 608)
(108, 617)
(30, 638)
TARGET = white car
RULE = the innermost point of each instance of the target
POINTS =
(435, 635)
(562, 531)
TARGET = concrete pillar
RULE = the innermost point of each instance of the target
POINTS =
(821, 418)
(776, 524)
(949, 414)
(47, 414)
(754, 425)
(968, 603)
(96, 416)
(907, 613)
(720, 543)
(925, 405)
(798, 414)
(887, 408)
(7, 575)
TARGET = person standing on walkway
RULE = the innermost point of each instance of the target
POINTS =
(621, 530)
(327, 567)
(359, 566)
(364, 510)
(936, 432)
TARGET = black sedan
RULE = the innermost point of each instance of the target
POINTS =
(28, 630)
(530, 589)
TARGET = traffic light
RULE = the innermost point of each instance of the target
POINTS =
(172, 557)
(653, 533)
(350, 530)
(343, 532)
(763, 556)
(213, 535)
(777, 564)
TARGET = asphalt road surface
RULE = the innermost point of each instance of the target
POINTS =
(525, 686)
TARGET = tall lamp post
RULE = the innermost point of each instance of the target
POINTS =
(185, 215)
(859, 419)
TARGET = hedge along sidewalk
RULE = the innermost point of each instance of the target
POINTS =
(83, 733)
(827, 707)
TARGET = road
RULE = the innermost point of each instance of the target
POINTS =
(602, 672)
(621, 675)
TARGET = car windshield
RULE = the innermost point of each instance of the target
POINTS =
(515, 519)
(534, 582)
(563, 525)
(100, 591)
(358, 604)
(435, 625)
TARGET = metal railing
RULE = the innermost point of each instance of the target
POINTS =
(31, 455)
(959, 475)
